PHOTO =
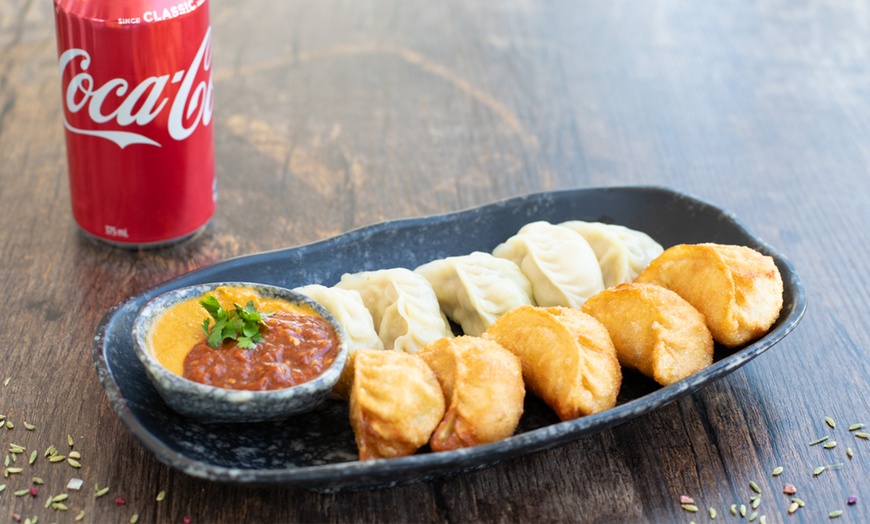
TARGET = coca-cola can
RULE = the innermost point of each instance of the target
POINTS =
(137, 92)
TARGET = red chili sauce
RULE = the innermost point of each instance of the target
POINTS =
(295, 349)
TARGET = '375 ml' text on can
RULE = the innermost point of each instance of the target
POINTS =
(137, 93)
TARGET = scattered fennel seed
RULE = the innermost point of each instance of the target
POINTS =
(28, 426)
(6, 382)
(33, 456)
(753, 516)
(743, 510)
(101, 492)
(80, 516)
(830, 422)
(756, 503)
(856, 427)
(60, 498)
(69, 440)
(798, 501)
(162, 495)
(74, 463)
(792, 507)
(690, 508)
(60, 506)
(819, 440)
(834, 514)
(754, 486)
(849, 452)
(733, 509)
(830, 445)
(777, 471)
(865, 436)
(712, 511)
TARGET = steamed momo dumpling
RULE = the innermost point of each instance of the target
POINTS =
(622, 252)
(349, 310)
(403, 305)
(559, 263)
(475, 290)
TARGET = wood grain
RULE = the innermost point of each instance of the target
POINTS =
(333, 115)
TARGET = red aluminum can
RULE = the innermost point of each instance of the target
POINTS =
(137, 91)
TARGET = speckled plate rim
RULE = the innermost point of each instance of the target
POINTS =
(384, 473)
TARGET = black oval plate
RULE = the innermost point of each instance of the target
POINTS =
(317, 450)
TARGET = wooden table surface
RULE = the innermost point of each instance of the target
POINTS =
(334, 115)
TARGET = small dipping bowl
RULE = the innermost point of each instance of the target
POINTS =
(215, 404)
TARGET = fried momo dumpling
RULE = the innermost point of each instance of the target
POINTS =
(403, 306)
(483, 388)
(622, 252)
(474, 290)
(567, 356)
(558, 262)
(654, 331)
(395, 403)
(349, 310)
(737, 289)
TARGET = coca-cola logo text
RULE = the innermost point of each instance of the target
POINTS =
(115, 101)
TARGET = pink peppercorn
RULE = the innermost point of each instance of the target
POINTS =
(852, 500)
(686, 500)
(33, 490)
(119, 501)
(186, 520)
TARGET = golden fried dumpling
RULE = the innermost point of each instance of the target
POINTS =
(483, 387)
(737, 289)
(654, 330)
(395, 403)
(567, 356)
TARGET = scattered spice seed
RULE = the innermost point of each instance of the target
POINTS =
(792, 507)
(69, 440)
(75, 455)
(818, 471)
(834, 514)
(865, 436)
(756, 503)
(753, 516)
(38, 481)
(829, 421)
(6, 382)
(48, 503)
(690, 508)
(819, 440)
(162, 495)
(120, 501)
(733, 509)
(74, 463)
(2, 488)
(33, 456)
(849, 452)
(754, 486)
(10, 425)
(830, 445)
(762, 519)
(60, 506)
(777, 471)
(855, 427)
(101, 492)
(21, 492)
(56, 458)
(6, 461)
(51, 450)
(686, 500)
(28, 426)
(14, 470)
(799, 502)
(60, 498)
(743, 510)
(134, 519)
(80, 516)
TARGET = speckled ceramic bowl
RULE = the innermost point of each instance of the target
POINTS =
(213, 404)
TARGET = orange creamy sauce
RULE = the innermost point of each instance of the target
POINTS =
(297, 346)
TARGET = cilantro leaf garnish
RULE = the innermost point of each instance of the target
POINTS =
(239, 324)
